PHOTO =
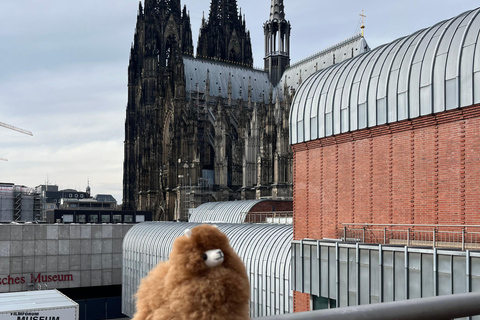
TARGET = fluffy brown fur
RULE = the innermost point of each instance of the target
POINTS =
(184, 288)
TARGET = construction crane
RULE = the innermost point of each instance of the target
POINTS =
(14, 129)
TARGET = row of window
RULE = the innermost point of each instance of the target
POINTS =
(103, 218)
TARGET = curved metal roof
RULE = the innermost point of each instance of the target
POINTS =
(299, 71)
(430, 71)
(196, 71)
(227, 211)
(264, 248)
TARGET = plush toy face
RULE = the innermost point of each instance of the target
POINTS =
(203, 279)
(201, 250)
(213, 257)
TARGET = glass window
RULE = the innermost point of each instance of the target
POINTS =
(320, 303)
(68, 218)
(105, 218)
(81, 218)
(117, 218)
(128, 218)
(93, 218)
(140, 218)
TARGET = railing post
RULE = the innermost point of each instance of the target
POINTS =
(344, 233)
(434, 234)
(384, 235)
(408, 237)
(363, 236)
(463, 239)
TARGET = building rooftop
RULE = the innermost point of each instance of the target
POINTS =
(430, 71)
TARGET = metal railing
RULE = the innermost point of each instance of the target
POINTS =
(274, 217)
(438, 308)
(465, 237)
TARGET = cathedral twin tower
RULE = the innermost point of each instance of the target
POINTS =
(209, 127)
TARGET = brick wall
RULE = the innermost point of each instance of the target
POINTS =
(301, 302)
(420, 171)
(423, 171)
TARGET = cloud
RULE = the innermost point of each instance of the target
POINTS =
(64, 73)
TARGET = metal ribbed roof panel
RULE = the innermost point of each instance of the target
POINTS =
(220, 74)
(227, 211)
(264, 248)
(432, 70)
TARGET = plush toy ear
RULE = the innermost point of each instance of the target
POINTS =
(188, 233)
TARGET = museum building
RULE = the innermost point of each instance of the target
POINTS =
(388, 137)
(83, 261)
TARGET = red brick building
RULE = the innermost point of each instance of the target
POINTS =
(391, 136)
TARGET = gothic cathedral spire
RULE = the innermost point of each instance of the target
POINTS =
(277, 42)
(224, 36)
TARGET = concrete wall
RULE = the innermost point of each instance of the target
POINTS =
(60, 256)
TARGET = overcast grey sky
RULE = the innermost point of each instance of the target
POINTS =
(63, 73)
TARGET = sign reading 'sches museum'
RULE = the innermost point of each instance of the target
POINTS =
(35, 278)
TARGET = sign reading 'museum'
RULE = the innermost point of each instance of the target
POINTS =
(54, 314)
(35, 278)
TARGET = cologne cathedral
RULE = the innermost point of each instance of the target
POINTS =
(206, 126)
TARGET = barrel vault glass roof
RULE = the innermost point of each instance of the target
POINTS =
(430, 71)
(228, 211)
(264, 248)
(296, 73)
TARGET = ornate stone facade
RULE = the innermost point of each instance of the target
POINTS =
(210, 127)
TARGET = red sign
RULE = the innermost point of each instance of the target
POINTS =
(36, 278)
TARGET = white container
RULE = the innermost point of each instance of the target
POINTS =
(37, 305)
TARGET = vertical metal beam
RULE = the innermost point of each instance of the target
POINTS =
(406, 273)
(369, 276)
(380, 269)
(348, 277)
(467, 274)
(337, 273)
(294, 266)
(328, 274)
(451, 275)
(435, 271)
(319, 264)
(302, 265)
(357, 257)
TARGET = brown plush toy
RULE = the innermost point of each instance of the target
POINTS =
(204, 279)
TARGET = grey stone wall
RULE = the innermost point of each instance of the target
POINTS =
(60, 256)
